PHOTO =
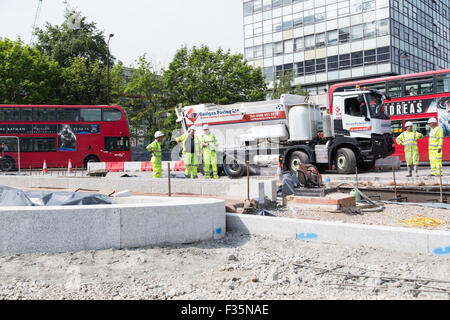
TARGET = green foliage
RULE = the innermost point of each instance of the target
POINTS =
(146, 98)
(202, 76)
(26, 75)
(74, 38)
(284, 85)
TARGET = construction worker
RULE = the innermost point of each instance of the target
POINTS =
(155, 149)
(209, 144)
(408, 139)
(191, 152)
(435, 142)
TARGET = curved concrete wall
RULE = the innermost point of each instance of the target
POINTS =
(132, 222)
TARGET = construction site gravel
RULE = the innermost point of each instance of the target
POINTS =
(390, 216)
(238, 266)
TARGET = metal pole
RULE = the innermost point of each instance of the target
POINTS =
(440, 181)
(357, 180)
(248, 182)
(395, 182)
(107, 66)
(168, 175)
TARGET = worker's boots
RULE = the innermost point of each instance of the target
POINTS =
(409, 171)
(416, 171)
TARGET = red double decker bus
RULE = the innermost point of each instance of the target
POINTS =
(414, 97)
(59, 133)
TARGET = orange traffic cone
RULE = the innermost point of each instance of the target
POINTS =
(69, 167)
(44, 167)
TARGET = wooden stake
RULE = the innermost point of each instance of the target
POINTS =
(168, 175)
(395, 182)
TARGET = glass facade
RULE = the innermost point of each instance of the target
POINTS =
(327, 41)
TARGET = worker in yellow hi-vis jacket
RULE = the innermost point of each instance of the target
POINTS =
(155, 149)
(408, 139)
(209, 143)
(191, 151)
(435, 143)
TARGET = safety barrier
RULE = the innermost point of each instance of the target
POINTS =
(133, 166)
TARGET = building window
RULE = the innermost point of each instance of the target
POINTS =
(287, 2)
(268, 73)
(259, 52)
(357, 59)
(309, 42)
(277, 3)
(277, 25)
(356, 6)
(299, 69)
(288, 69)
(383, 27)
(248, 8)
(370, 57)
(333, 63)
(370, 30)
(309, 17)
(248, 53)
(299, 44)
(298, 19)
(320, 15)
(310, 66)
(287, 24)
(344, 35)
(267, 5)
(383, 54)
(288, 46)
(332, 37)
(320, 40)
(357, 32)
(321, 65)
(279, 71)
(268, 50)
(278, 48)
(257, 6)
(332, 11)
(368, 5)
(344, 61)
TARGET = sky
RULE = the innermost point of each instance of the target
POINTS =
(155, 27)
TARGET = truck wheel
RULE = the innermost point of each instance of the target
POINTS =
(233, 168)
(296, 158)
(345, 161)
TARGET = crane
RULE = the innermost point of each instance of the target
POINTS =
(36, 18)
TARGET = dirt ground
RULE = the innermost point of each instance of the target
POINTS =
(388, 217)
(236, 267)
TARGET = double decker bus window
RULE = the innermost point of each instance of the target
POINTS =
(443, 83)
(117, 144)
(44, 114)
(11, 114)
(88, 114)
(397, 127)
(26, 114)
(69, 114)
(421, 125)
(395, 89)
(26, 144)
(44, 144)
(420, 86)
(111, 115)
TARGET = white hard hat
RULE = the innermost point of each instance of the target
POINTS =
(205, 127)
(191, 128)
(159, 134)
(432, 120)
(409, 124)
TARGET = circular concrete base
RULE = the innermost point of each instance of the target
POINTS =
(134, 221)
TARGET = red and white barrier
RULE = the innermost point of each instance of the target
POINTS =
(133, 166)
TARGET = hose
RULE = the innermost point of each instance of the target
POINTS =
(378, 206)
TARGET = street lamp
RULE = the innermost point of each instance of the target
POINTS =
(107, 65)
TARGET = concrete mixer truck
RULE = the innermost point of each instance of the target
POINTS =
(352, 132)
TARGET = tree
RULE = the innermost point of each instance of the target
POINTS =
(284, 85)
(74, 38)
(85, 82)
(202, 76)
(26, 75)
(146, 99)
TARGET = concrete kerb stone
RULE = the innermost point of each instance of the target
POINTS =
(132, 222)
(392, 238)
